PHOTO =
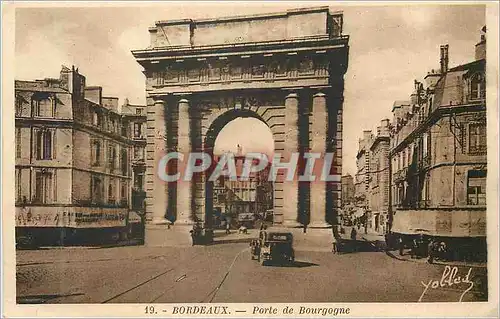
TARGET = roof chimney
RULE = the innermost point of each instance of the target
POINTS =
(481, 46)
(444, 59)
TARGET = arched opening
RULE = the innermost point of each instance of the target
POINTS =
(239, 202)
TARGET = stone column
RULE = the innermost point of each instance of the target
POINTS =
(184, 196)
(160, 196)
(318, 145)
(291, 188)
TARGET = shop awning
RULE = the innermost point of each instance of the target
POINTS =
(446, 223)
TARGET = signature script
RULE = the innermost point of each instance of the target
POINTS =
(449, 278)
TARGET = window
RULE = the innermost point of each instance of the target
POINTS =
(139, 181)
(19, 106)
(43, 144)
(112, 125)
(97, 118)
(111, 156)
(124, 128)
(138, 111)
(111, 192)
(96, 153)
(43, 187)
(123, 193)
(476, 187)
(425, 140)
(18, 142)
(43, 106)
(138, 153)
(477, 138)
(97, 190)
(138, 130)
(124, 162)
(477, 87)
(18, 185)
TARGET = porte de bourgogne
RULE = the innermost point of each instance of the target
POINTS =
(284, 69)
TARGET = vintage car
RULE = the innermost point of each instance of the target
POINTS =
(273, 247)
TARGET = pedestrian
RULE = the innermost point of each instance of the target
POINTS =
(401, 246)
(193, 237)
(354, 233)
(414, 248)
(228, 227)
(431, 251)
(334, 244)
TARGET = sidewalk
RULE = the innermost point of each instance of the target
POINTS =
(423, 260)
(361, 235)
(220, 236)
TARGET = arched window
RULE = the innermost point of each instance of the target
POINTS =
(477, 86)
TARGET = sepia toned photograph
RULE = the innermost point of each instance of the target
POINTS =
(204, 155)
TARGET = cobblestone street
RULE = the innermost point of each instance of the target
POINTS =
(168, 275)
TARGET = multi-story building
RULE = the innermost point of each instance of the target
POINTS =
(72, 160)
(377, 215)
(438, 156)
(362, 178)
(242, 197)
(347, 190)
(134, 120)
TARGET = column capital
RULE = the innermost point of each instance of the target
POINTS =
(292, 95)
(319, 94)
(158, 100)
(183, 100)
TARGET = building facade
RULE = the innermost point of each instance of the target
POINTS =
(377, 214)
(347, 190)
(285, 69)
(362, 178)
(72, 160)
(438, 156)
(236, 196)
(134, 119)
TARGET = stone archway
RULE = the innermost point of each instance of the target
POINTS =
(212, 133)
(292, 79)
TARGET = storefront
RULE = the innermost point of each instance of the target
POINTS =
(44, 225)
(463, 231)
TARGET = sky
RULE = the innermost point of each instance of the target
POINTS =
(390, 46)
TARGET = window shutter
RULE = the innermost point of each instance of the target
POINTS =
(54, 143)
(18, 142)
(38, 146)
(47, 144)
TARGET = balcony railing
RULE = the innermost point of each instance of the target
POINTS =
(138, 137)
(401, 174)
(139, 160)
